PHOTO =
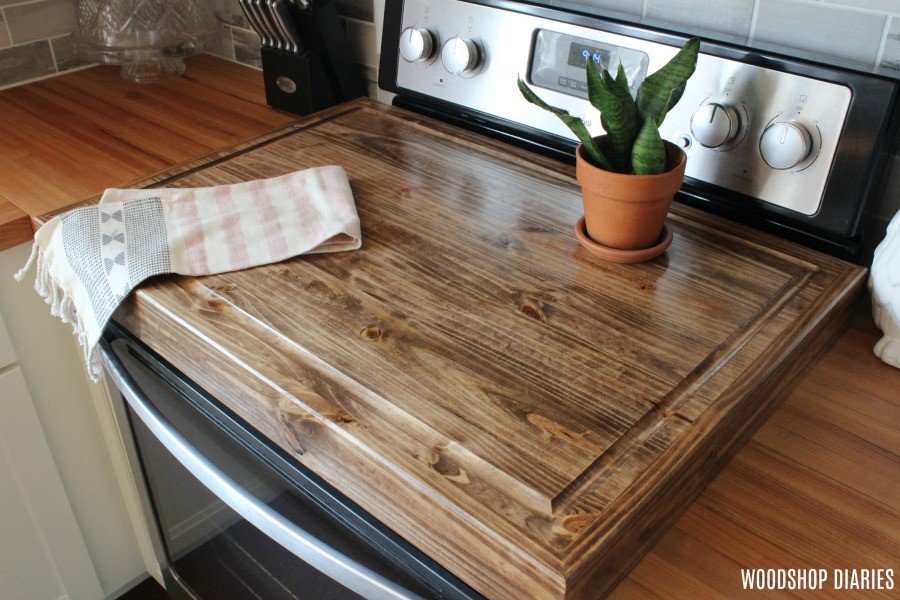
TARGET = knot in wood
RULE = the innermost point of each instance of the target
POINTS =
(341, 417)
(532, 311)
(450, 470)
(428, 457)
(370, 333)
(215, 303)
(572, 525)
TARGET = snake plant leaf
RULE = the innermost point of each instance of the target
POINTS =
(663, 89)
(649, 156)
(618, 115)
(574, 123)
(622, 79)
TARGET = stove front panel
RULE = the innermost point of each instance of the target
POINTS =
(794, 145)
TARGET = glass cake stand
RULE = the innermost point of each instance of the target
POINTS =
(149, 38)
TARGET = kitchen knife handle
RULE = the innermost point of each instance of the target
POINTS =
(252, 19)
(262, 12)
(283, 16)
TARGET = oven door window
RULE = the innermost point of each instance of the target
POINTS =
(217, 553)
(216, 548)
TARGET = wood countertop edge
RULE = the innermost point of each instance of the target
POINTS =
(15, 226)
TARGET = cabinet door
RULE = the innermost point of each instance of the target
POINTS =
(73, 415)
(7, 356)
(42, 552)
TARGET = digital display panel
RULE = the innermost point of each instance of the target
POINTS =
(558, 62)
(579, 54)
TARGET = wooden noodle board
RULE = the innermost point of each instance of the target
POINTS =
(528, 415)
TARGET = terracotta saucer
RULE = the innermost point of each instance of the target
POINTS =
(622, 256)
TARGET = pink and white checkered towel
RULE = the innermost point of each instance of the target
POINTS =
(90, 258)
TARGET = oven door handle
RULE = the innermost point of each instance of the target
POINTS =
(307, 547)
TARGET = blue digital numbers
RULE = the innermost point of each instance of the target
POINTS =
(579, 54)
(596, 57)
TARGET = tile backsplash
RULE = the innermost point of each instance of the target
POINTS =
(34, 34)
(864, 31)
(35, 39)
(732, 17)
(840, 32)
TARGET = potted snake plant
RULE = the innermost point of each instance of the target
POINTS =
(630, 175)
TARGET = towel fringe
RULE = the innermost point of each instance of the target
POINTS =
(31, 257)
(62, 306)
(90, 258)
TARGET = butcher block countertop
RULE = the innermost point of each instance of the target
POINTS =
(68, 138)
(530, 416)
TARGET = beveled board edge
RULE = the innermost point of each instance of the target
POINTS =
(720, 432)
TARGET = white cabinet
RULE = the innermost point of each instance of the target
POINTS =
(42, 552)
(63, 477)
(7, 355)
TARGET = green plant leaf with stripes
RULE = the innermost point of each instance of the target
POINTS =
(622, 79)
(632, 125)
(663, 89)
(618, 113)
(649, 155)
(574, 123)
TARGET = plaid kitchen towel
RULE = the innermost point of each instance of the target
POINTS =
(90, 258)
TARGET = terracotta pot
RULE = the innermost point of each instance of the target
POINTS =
(628, 211)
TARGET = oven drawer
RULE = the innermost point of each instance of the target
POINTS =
(239, 518)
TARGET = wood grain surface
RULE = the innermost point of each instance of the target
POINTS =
(68, 138)
(540, 416)
(816, 487)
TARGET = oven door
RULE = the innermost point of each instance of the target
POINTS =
(238, 517)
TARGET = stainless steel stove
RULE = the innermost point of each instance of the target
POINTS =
(790, 146)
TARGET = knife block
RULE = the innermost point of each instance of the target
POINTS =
(323, 74)
(296, 83)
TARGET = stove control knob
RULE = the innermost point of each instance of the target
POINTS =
(785, 144)
(461, 56)
(416, 45)
(715, 124)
